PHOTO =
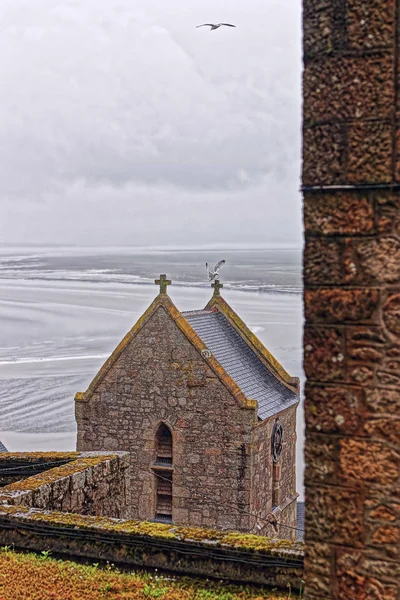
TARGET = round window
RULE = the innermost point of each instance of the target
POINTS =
(277, 441)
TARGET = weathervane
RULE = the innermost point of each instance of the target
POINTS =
(213, 275)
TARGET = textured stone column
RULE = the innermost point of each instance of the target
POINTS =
(351, 176)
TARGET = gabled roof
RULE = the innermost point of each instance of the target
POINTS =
(3, 448)
(246, 368)
(240, 362)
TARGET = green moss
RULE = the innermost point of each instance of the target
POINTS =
(28, 576)
(38, 456)
(51, 475)
(254, 543)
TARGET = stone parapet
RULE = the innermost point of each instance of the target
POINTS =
(91, 483)
(207, 553)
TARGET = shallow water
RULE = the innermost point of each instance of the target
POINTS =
(63, 311)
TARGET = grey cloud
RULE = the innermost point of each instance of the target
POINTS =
(105, 101)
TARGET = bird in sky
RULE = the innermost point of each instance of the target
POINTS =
(214, 274)
(215, 25)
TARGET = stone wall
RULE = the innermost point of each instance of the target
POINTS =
(89, 484)
(273, 494)
(192, 551)
(161, 377)
(352, 298)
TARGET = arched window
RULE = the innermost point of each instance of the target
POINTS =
(164, 445)
(163, 474)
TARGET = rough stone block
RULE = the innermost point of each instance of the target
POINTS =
(318, 561)
(341, 306)
(370, 24)
(334, 515)
(387, 212)
(368, 462)
(370, 153)
(320, 460)
(327, 262)
(324, 354)
(353, 87)
(338, 214)
(381, 401)
(333, 409)
(385, 571)
(323, 157)
(353, 583)
(386, 430)
(391, 315)
(366, 345)
(380, 259)
(323, 26)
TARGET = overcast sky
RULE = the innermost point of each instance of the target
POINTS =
(120, 123)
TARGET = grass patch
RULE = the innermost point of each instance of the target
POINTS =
(41, 577)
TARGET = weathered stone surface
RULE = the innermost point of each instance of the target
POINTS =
(370, 24)
(322, 26)
(323, 157)
(81, 487)
(334, 515)
(338, 306)
(384, 571)
(391, 315)
(365, 344)
(332, 409)
(387, 213)
(370, 152)
(387, 430)
(317, 562)
(320, 460)
(324, 354)
(338, 214)
(383, 401)
(349, 88)
(323, 262)
(380, 259)
(367, 461)
(356, 585)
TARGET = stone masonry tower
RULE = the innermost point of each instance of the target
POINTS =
(351, 183)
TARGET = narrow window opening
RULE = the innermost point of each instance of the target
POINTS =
(164, 496)
(163, 477)
(164, 446)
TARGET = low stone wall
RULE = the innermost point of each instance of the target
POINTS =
(90, 483)
(192, 551)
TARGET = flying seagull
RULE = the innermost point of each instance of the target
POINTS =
(215, 25)
(214, 274)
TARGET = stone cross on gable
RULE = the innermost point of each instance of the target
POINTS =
(163, 282)
(217, 285)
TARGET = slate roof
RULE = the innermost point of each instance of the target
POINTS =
(3, 448)
(241, 363)
(300, 521)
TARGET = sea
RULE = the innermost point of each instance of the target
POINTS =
(64, 309)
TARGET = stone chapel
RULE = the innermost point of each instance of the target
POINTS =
(208, 415)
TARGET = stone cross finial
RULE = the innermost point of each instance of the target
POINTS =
(163, 282)
(217, 285)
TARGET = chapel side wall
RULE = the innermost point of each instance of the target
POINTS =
(161, 377)
(263, 495)
(352, 298)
